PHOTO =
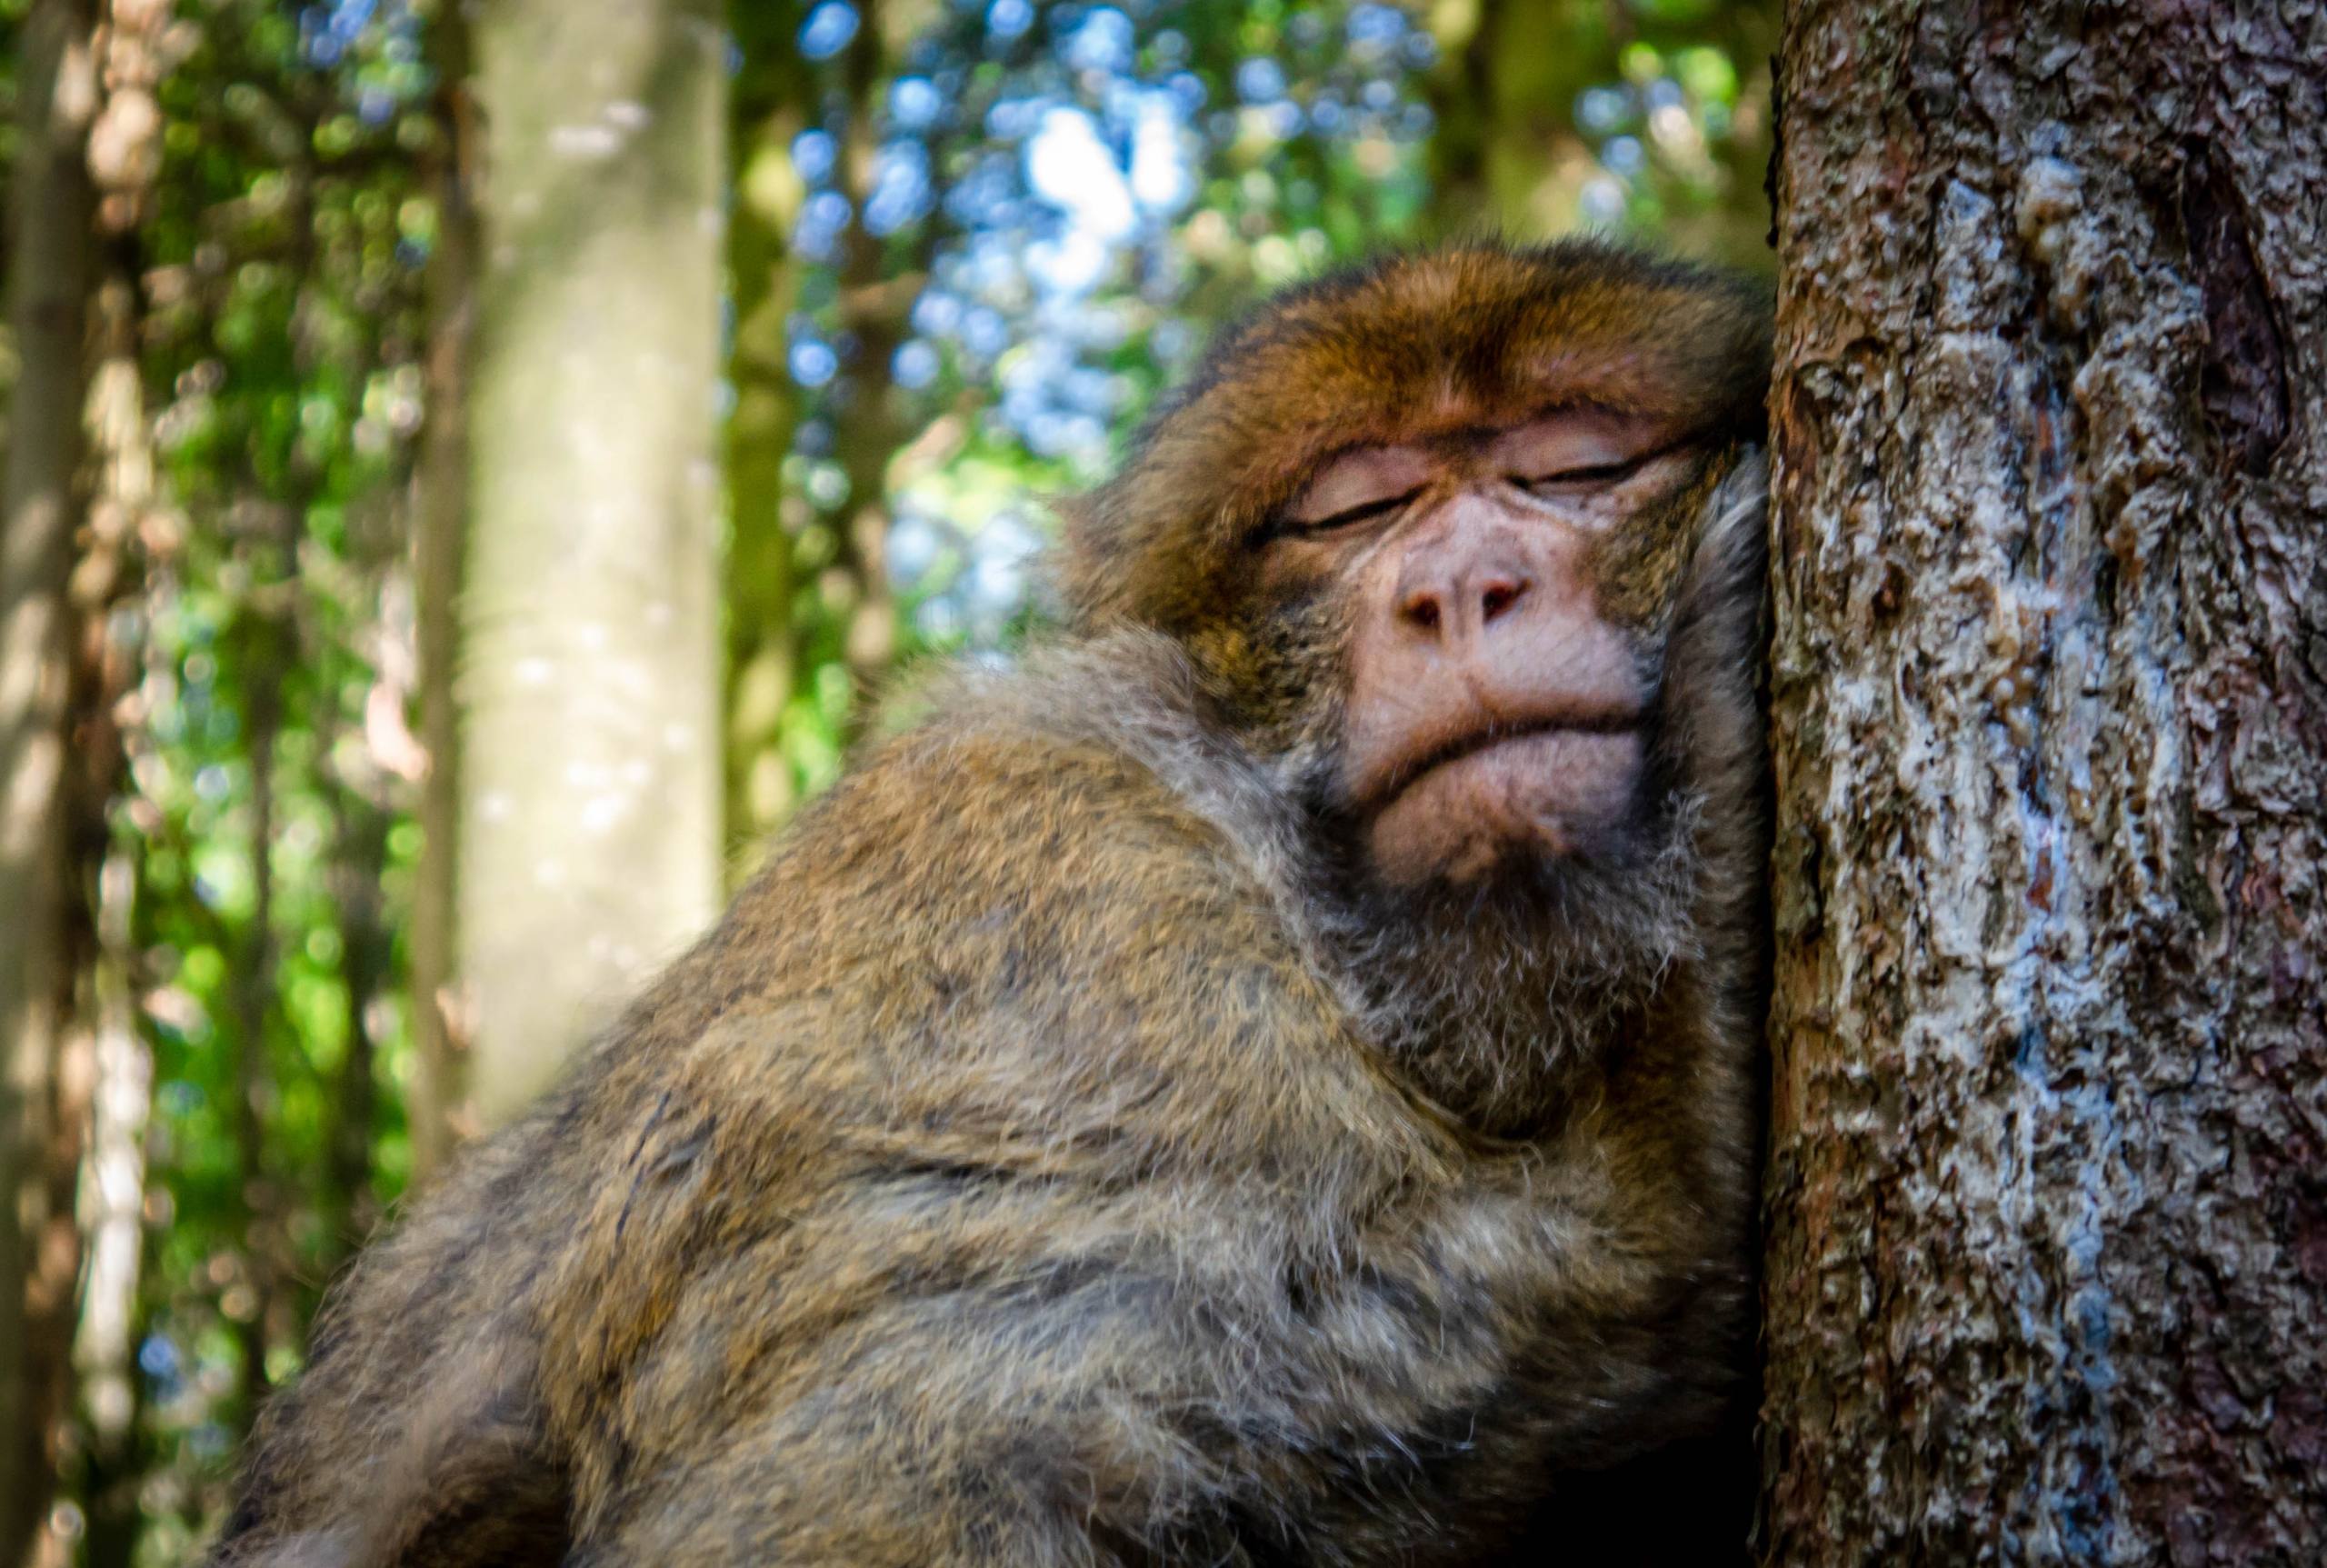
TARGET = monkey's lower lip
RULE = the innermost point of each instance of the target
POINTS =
(1549, 790)
(1493, 739)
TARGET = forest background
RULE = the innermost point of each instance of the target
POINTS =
(472, 471)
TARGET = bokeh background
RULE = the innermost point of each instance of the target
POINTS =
(960, 244)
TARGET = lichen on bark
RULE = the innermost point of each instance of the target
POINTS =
(2047, 1275)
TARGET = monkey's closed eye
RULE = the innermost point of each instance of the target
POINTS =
(1364, 512)
(1583, 479)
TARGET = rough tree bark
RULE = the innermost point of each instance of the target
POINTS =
(589, 669)
(2047, 1275)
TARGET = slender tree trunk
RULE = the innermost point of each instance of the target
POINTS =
(589, 751)
(771, 101)
(272, 516)
(2047, 1275)
(99, 1146)
(1506, 155)
(113, 1202)
(271, 647)
(349, 1206)
(876, 305)
(48, 283)
(363, 788)
(440, 531)
(1507, 152)
(125, 154)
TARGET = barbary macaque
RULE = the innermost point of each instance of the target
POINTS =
(1268, 1079)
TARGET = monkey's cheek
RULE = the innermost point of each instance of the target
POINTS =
(1547, 795)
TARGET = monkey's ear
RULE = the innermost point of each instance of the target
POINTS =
(1085, 564)
(1712, 663)
(1733, 542)
(1145, 547)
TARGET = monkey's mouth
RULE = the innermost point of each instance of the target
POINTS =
(1495, 737)
(1555, 789)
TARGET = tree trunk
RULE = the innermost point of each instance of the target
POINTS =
(346, 1198)
(875, 304)
(770, 102)
(126, 157)
(98, 1142)
(271, 646)
(48, 283)
(113, 1204)
(1506, 155)
(433, 1109)
(589, 750)
(2047, 1272)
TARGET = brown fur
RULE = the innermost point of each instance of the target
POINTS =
(1058, 1155)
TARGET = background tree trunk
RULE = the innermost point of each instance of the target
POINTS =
(1507, 157)
(769, 106)
(2048, 1253)
(125, 159)
(49, 285)
(112, 1204)
(875, 304)
(433, 1107)
(589, 750)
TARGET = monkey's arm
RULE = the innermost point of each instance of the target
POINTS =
(415, 1433)
(954, 1362)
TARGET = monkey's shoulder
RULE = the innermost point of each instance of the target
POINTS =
(1035, 816)
(1004, 979)
(1006, 918)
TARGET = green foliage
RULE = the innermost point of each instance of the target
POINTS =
(282, 321)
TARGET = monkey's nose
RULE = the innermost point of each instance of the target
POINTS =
(1442, 610)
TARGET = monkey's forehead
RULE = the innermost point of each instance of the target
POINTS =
(1422, 344)
(1408, 347)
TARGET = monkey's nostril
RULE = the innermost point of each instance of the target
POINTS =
(1497, 597)
(1422, 609)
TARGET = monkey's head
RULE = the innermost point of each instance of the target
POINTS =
(1432, 530)
(1464, 548)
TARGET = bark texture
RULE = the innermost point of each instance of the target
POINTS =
(589, 667)
(2048, 1181)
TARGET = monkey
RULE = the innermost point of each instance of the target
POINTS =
(1267, 1078)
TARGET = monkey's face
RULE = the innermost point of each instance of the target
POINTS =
(1501, 597)
(1428, 530)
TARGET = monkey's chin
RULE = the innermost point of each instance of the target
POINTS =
(1553, 795)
